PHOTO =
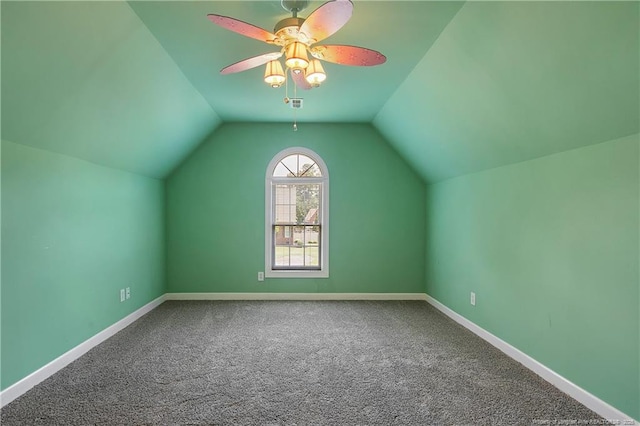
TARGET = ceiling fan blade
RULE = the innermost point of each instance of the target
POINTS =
(242, 27)
(300, 81)
(326, 20)
(247, 64)
(348, 55)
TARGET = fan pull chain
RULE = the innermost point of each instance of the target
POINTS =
(287, 99)
(286, 87)
(295, 112)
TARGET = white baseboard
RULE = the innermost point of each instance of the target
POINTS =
(295, 296)
(576, 392)
(22, 386)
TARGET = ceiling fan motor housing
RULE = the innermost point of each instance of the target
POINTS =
(288, 28)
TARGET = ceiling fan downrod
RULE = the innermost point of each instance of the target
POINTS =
(294, 6)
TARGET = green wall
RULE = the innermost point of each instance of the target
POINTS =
(550, 247)
(73, 234)
(215, 212)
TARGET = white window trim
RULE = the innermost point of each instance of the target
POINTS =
(269, 212)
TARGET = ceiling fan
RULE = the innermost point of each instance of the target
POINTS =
(296, 37)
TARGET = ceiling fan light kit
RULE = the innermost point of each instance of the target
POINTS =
(314, 74)
(274, 74)
(296, 56)
(297, 38)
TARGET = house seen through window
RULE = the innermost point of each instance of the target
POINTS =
(296, 225)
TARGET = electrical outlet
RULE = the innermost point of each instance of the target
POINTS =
(122, 295)
(473, 298)
(260, 276)
(128, 292)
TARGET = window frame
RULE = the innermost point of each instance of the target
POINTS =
(270, 182)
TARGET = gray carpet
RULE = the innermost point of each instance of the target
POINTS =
(304, 363)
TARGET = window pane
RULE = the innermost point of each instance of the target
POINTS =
(291, 163)
(285, 204)
(296, 247)
(281, 256)
(285, 194)
(312, 256)
(312, 235)
(308, 203)
(297, 166)
(289, 256)
(303, 159)
(281, 171)
(298, 236)
(285, 214)
(307, 167)
(310, 170)
(282, 235)
(297, 203)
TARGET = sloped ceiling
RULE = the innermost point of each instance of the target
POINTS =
(510, 81)
(87, 79)
(467, 86)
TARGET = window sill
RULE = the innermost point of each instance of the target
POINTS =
(296, 274)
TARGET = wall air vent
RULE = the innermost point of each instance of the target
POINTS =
(295, 103)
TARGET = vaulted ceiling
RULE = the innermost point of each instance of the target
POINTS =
(466, 87)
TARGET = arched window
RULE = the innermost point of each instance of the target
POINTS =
(297, 215)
